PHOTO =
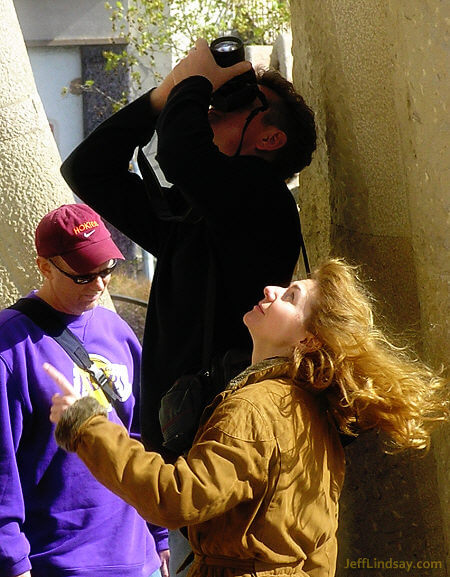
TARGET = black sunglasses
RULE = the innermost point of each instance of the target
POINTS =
(87, 278)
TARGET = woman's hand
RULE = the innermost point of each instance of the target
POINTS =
(60, 402)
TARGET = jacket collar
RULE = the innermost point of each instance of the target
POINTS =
(272, 368)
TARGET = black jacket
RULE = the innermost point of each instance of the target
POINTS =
(242, 213)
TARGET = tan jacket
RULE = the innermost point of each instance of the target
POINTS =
(258, 490)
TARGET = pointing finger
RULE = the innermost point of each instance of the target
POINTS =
(63, 384)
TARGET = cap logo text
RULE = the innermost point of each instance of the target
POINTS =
(85, 226)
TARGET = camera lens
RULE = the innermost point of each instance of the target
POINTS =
(227, 50)
(226, 46)
(240, 90)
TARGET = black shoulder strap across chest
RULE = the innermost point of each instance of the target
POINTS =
(157, 196)
(44, 316)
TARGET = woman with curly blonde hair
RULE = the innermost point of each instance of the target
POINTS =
(368, 382)
(259, 488)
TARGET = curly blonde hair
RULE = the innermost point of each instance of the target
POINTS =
(366, 381)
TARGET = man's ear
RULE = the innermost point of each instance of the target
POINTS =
(44, 266)
(271, 139)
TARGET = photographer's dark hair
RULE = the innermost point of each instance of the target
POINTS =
(292, 115)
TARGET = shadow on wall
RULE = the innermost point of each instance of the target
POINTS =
(390, 510)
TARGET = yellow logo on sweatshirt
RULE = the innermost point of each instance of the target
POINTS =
(85, 385)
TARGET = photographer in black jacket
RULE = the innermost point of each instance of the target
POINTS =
(229, 216)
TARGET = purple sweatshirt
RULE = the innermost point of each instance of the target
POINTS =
(55, 518)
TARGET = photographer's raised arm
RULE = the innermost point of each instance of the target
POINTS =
(98, 172)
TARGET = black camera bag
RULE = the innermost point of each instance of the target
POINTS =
(183, 404)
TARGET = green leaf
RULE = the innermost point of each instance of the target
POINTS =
(151, 26)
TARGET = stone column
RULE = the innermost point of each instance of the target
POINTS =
(30, 183)
(376, 74)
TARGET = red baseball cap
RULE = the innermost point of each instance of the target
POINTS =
(76, 233)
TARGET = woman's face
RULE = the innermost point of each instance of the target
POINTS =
(278, 322)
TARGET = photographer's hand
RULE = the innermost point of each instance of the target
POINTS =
(199, 62)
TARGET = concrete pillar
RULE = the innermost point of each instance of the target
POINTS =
(30, 183)
(376, 74)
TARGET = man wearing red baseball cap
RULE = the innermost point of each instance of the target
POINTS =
(55, 518)
(76, 256)
(78, 235)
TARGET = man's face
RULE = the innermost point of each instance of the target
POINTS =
(228, 126)
(72, 298)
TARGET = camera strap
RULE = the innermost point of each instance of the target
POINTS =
(251, 116)
(45, 317)
(157, 196)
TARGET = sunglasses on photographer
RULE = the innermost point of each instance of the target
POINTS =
(87, 278)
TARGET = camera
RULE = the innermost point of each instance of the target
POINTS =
(240, 90)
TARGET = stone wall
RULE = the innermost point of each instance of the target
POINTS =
(376, 74)
(30, 183)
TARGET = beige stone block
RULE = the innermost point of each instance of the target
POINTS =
(376, 74)
(30, 182)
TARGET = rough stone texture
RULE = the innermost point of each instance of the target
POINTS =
(375, 73)
(389, 510)
(312, 194)
(30, 183)
(421, 83)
